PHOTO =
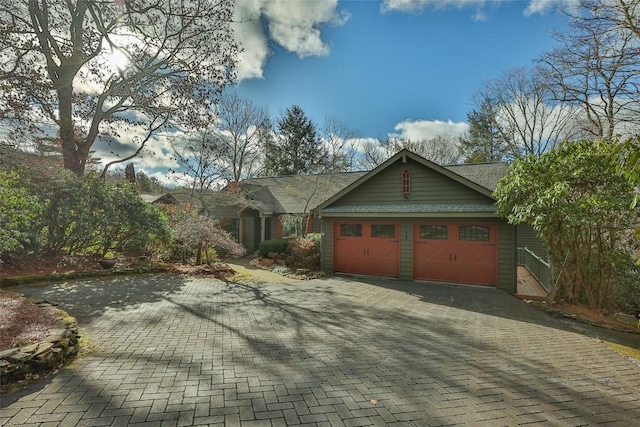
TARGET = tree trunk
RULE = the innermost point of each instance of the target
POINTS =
(72, 154)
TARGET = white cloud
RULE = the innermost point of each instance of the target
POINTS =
(417, 6)
(416, 130)
(539, 6)
(294, 25)
(420, 5)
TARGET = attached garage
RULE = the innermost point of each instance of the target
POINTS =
(415, 220)
(455, 253)
(366, 247)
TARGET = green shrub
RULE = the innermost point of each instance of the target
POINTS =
(19, 212)
(278, 246)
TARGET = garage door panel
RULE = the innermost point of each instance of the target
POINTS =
(373, 251)
(455, 253)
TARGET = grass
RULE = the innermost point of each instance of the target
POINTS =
(624, 350)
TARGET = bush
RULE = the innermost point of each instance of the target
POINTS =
(19, 212)
(74, 214)
(199, 233)
(277, 246)
(305, 252)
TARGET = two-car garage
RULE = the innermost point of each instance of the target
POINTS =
(415, 220)
(453, 252)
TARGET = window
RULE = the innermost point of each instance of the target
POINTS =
(406, 181)
(387, 231)
(433, 232)
(351, 230)
(474, 232)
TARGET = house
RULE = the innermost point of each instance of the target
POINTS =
(255, 213)
(163, 199)
(408, 218)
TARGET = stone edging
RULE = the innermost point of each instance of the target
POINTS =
(58, 347)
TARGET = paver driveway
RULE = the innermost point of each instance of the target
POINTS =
(338, 351)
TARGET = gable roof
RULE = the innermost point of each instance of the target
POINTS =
(165, 198)
(406, 154)
(304, 193)
(295, 193)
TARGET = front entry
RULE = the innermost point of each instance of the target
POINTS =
(455, 253)
(367, 247)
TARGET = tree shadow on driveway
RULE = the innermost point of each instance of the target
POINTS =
(494, 302)
(87, 300)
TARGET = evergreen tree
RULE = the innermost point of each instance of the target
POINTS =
(297, 148)
(482, 141)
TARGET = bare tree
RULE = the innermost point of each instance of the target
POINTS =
(339, 144)
(596, 67)
(200, 170)
(526, 117)
(440, 149)
(87, 68)
(375, 151)
(238, 124)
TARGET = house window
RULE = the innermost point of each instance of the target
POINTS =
(474, 232)
(387, 231)
(406, 182)
(350, 230)
(433, 232)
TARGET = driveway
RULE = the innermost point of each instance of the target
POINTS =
(338, 351)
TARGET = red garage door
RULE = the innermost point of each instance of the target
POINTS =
(455, 253)
(369, 247)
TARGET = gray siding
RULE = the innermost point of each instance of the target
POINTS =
(225, 212)
(528, 238)
(507, 269)
(326, 260)
(427, 186)
(317, 225)
(249, 232)
(406, 249)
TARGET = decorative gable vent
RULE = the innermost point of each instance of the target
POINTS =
(406, 182)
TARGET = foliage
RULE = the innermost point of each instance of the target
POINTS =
(91, 68)
(199, 234)
(482, 142)
(305, 252)
(149, 184)
(274, 246)
(19, 211)
(583, 210)
(87, 215)
(297, 148)
(294, 224)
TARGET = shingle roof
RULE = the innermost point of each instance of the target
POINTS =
(419, 208)
(295, 193)
(301, 193)
(484, 174)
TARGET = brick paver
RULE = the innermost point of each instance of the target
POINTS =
(175, 351)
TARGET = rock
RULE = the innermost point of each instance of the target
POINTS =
(7, 353)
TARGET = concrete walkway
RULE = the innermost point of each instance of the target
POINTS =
(181, 351)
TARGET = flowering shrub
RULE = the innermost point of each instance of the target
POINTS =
(305, 252)
(199, 233)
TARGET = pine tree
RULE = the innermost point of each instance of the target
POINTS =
(297, 148)
(482, 141)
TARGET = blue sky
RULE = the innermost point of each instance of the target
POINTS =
(387, 68)
(398, 67)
